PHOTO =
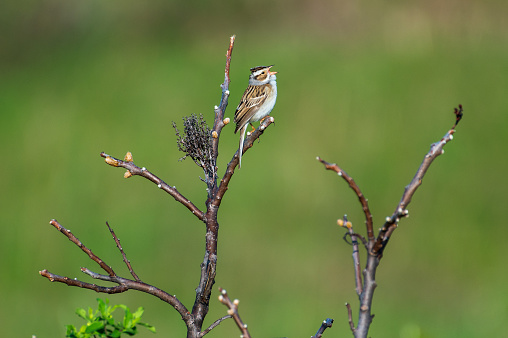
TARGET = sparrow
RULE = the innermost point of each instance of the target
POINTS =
(257, 101)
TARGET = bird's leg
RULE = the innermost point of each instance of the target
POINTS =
(261, 121)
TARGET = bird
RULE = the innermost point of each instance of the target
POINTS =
(257, 101)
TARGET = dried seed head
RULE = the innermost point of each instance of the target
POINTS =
(196, 142)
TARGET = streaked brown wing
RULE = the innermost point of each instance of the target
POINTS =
(252, 99)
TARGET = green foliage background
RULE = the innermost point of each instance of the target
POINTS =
(367, 84)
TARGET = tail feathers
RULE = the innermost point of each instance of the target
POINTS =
(242, 138)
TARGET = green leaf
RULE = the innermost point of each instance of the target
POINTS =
(136, 316)
(127, 318)
(94, 327)
(102, 308)
(115, 334)
(131, 332)
(148, 326)
(81, 313)
(71, 331)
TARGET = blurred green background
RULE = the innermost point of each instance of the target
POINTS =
(367, 84)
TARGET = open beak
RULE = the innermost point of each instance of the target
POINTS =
(272, 73)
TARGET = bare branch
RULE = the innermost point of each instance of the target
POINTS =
(248, 143)
(391, 223)
(233, 311)
(324, 325)
(126, 261)
(221, 108)
(458, 115)
(356, 254)
(215, 324)
(135, 170)
(350, 318)
(83, 248)
(75, 282)
(356, 189)
(124, 283)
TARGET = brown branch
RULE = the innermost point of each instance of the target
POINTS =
(143, 172)
(215, 324)
(248, 143)
(350, 318)
(221, 108)
(391, 222)
(359, 194)
(324, 325)
(124, 283)
(458, 115)
(75, 282)
(356, 253)
(219, 121)
(126, 261)
(83, 248)
(233, 311)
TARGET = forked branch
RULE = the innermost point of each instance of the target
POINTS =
(124, 284)
(375, 246)
(233, 312)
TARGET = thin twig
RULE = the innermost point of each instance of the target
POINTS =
(391, 222)
(143, 172)
(124, 283)
(83, 248)
(219, 121)
(356, 253)
(248, 143)
(350, 318)
(233, 311)
(75, 282)
(458, 115)
(359, 194)
(215, 324)
(324, 325)
(126, 261)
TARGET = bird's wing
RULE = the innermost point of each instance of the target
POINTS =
(252, 99)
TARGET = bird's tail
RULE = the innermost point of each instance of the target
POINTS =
(242, 138)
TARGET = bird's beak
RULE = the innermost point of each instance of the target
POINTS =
(272, 73)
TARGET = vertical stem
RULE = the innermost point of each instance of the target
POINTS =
(369, 280)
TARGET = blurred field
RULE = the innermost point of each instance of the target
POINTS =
(367, 85)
